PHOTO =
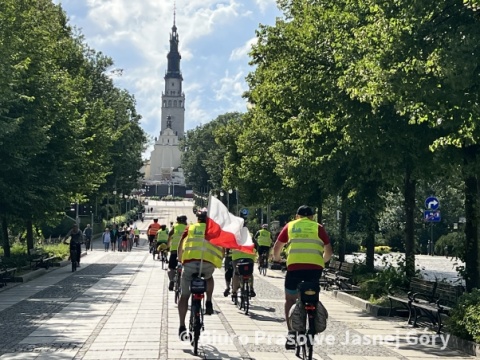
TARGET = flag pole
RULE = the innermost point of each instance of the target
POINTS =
(204, 247)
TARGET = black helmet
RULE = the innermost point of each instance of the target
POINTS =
(202, 214)
(182, 218)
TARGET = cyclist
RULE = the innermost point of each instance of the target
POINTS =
(173, 240)
(228, 271)
(263, 240)
(309, 249)
(87, 233)
(192, 245)
(162, 239)
(76, 239)
(136, 233)
(240, 256)
(152, 232)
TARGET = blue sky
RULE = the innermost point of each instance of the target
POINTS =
(215, 37)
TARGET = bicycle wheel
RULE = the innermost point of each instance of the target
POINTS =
(239, 298)
(196, 326)
(310, 335)
(246, 304)
(163, 263)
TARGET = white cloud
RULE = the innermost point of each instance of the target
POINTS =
(242, 52)
(264, 4)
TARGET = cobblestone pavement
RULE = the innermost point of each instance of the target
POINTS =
(117, 306)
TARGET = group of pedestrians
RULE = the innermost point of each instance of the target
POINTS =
(120, 238)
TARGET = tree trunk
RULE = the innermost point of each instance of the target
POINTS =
(471, 235)
(6, 242)
(343, 230)
(409, 196)
(29, 226)
(370, 244)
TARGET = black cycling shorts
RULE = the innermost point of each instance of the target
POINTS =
(263, 249)
(295, 277)
(173, 261)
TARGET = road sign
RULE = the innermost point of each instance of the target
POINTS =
(244, 211)
(432, 203)
(431, 215)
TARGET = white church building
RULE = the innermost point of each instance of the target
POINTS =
(164, 166)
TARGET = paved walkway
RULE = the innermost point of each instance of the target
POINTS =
(117, 306)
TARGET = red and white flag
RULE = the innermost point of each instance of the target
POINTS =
(225, 229)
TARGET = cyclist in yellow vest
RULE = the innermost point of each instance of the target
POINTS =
(263, 240)
(192, 248)
(240, 256)
(174, 237)
(309, 249)
(136, 233)
(162, 239)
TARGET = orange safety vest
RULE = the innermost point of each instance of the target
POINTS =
(153, 228)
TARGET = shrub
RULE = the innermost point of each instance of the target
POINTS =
(453, 241)
(464, 320)
(382, 250)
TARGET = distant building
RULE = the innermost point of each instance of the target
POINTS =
(164, 166)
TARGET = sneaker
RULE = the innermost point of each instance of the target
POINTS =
(208, 308)
(290, 343)
(226, 292)
(170, 286)
(252, 293)
(183, 333)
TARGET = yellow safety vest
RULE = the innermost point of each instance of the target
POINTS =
(306, 247)
(178, 230)
(237, 254)
(264, 238)
(162, 236)
(195, 244)
(136, 232)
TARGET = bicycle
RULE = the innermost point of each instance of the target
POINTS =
(164, 259)
(245, 272)
(73, 258)
(263, 264)
(176, 281)
(309, 297)
(198, 287)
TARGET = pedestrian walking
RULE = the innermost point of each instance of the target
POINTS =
(106, 237)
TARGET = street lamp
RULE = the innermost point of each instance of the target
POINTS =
(115, 206)
(126, 208)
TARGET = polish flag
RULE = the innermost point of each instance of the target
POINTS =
(225, 229)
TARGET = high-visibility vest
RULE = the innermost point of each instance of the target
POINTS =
(178, 230)
(136, 232)
(162, 236)
(264, 238)
(195, 244)
(306, 247)
(237, 254)
(154, 227)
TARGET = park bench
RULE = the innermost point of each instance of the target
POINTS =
(330, 273)
(344, 277)
(446, 296)
(422, 290)
(6, 274)
(39, 259)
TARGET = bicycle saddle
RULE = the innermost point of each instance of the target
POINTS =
(309, 291)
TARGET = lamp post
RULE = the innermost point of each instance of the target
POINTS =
(115, 206)
(126, 208)
(230, 191)
(236, 192)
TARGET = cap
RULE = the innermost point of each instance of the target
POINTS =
(305, 210)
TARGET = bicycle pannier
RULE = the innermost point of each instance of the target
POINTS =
(198, 286)
(245, 268)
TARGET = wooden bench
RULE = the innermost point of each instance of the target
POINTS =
(344, 276)
(7, 275)
(446, 296)
(422, 290)
(330, 273)
(39, 259)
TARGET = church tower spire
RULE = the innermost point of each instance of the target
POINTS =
(173, 98)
